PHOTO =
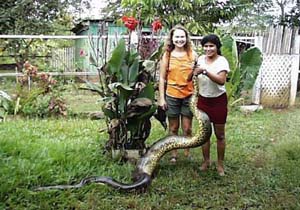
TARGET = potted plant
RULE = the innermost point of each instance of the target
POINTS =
(127, 89)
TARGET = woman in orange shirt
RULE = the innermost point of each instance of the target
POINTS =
(174, 88)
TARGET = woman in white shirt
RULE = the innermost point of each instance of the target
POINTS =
(212, 69)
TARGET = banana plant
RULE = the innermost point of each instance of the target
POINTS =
(244, 67)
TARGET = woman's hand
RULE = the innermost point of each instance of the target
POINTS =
(163, 104)
(198, 70)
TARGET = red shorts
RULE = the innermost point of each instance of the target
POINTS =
(215, 108)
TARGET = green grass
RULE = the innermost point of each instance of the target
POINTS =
(262, 164)
(81, 101)
(262, 167)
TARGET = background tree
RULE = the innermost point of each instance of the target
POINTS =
(289, 16)
(198, 15)
(293, 18)
(251, 19)
(33, 17)
(283, 5)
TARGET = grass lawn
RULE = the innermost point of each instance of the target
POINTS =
(262, 166)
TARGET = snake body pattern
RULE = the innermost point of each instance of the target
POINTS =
(145, 167)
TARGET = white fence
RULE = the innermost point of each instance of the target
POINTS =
(276, 84)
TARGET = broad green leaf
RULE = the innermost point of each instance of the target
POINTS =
(117, 57)
(119, 85)
(133, 71)
(93, 87)
(123, 77)
(229, 51)
(123, 92)
(148, 92)
(5, 95)
(251, 61)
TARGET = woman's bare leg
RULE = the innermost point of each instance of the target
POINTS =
(221, 144)
(186, 124)
(173, 130)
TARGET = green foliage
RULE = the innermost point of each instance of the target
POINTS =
(199, 16)
(244, 68)
(33, 17)
(128, 96)
(289, 13)
(262, 167)
(38, 95)
(253, 19)
(6, 104)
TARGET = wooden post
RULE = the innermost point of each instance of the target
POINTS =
(295, 71)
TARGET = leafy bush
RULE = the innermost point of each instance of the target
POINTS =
(38, 94)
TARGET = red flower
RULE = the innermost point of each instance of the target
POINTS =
(130, 22)
(81, 53)
(156, 25)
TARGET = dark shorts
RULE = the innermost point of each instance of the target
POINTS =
(178, 106)
(215, 108)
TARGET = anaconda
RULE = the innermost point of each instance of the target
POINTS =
(148, 162)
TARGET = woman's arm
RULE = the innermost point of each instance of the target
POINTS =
(195, 56)
(219, 78)
(162, 81)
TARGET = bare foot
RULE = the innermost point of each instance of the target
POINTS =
(220, 169)
(205, 165)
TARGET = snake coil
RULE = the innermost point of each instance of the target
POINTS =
(147, 164)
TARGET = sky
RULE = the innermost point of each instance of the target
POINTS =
(94, 11)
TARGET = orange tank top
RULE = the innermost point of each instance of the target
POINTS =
(177, 75)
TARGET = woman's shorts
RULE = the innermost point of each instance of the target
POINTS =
(178, 106)
(215, 108)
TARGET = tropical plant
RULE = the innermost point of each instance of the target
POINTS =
(5, 104)
(127, 89)
(244, 67)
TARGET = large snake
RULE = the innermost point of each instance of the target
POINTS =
(144, 170)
